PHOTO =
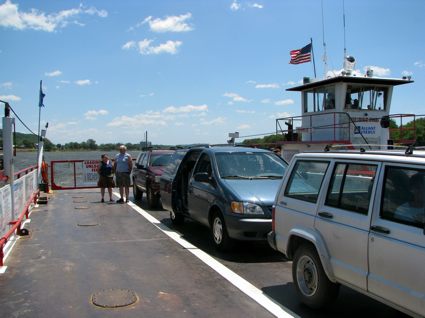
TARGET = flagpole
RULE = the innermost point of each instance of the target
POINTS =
(40, 104)
(312, 53)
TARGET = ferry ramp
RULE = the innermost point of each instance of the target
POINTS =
(83, 258)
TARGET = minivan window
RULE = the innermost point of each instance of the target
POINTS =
(204, 165)
(174, 162)
(144, 160)
(351, 187)
(160, 159)
(305, 180)
(404, 196)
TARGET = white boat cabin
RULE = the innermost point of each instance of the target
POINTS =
(341, 110)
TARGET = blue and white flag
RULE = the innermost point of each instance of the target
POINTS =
(41, 96)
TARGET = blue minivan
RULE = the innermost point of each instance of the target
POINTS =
(229, 189)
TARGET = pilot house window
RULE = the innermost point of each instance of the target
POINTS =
(319, 100)
(365, 98)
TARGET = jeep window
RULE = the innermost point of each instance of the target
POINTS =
(250, 165)
(404, 196)
(305, 180)
(351, 187)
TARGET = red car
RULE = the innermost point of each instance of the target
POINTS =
(147, 169)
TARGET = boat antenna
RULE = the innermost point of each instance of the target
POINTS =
(343, 21)
(325, 57)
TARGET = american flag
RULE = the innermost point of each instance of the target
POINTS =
(301, 56)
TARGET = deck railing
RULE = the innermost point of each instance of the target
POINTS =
(25, 194)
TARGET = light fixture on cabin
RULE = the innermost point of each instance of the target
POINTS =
(349, 63)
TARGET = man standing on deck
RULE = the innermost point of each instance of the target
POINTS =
(122, 166)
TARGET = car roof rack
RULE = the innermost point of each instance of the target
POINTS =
(397, 150)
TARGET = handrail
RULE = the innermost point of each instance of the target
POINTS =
(25, 171)
(326, 126)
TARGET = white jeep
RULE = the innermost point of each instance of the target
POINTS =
(354, 219)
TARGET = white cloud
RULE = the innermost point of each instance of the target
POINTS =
(83, 82)
(378, 71)
(11, 17)
(256, 6)
(170, 24)
(138, 121)
(270, 85)
(7, 85)
(245, 111)
(64, 82)
(284, 102)
(419, 64)
(281, 115)
(10, 98)
(215, 121)
(243, 126)
(235, 6)
(406, 73)
(92, 114)
(170, 47)
(145, 47)
(53, 74)
(147, 95)
(129, 45)
(235, 97)
(266, 101)
(186, 109)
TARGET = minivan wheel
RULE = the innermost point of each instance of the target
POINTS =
(137, 194)
(311, 282)
(176, 218)
(221, 239)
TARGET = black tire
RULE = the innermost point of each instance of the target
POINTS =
(176, 218)
(153, 200)
(219, 235)
(137, 194)
(310, 280)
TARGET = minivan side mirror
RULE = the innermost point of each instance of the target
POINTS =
(202, 177)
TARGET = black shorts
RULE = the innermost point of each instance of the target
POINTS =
(106, 182)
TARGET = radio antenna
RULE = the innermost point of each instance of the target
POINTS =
(343, 21)
(325, 57)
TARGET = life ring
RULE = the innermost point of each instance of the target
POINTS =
(44, 172)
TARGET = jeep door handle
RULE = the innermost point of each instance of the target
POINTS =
(380, 229)
(326, 215)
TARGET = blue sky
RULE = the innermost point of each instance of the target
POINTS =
(192, 71)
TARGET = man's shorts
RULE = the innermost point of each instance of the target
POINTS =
(122, 179)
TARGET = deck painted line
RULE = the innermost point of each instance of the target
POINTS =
(246, 287)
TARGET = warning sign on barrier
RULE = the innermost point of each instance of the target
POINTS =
(90, 172)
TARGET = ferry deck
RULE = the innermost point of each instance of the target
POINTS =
(83, 258)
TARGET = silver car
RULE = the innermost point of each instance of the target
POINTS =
(354, 219)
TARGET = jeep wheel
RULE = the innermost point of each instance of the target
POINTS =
(311, 282)
(221, 239)
(153, 200)
(137, 194)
